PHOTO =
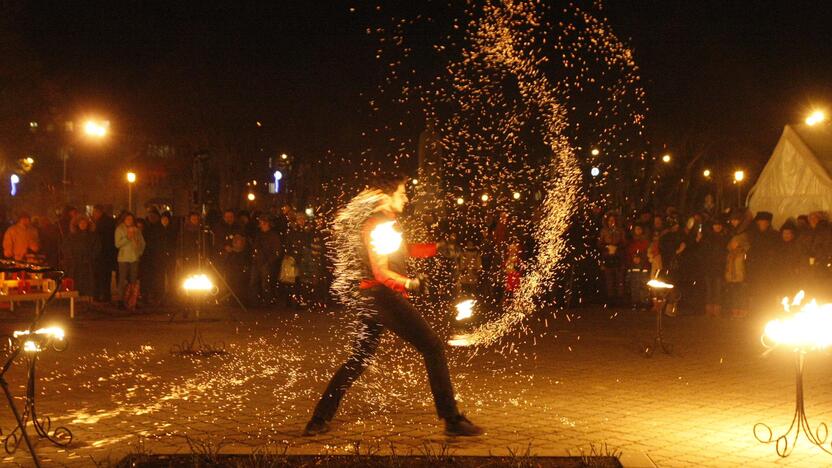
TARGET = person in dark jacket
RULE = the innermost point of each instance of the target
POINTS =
(789, 263)
(816, 253)
(265, 255)
(105, 264)
(151, 271)
(81, 250)
(714, 253)
(168, 256)
(763, 263)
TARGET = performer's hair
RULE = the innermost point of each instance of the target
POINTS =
(389, 182)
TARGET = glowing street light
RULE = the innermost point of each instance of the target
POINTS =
(131, 179)
(284, 156)
(251, 197)
(515, 195)
(706, 173)
(309, 211)
(96, 129)
(594, 172)
(739, 176)
(815, 118)
(595, 151)
(666, 158)
(415, 181)
(484, 197)
(460, 201)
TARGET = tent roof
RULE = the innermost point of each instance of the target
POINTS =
(818, 138)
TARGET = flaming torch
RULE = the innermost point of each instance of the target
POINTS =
(465, 309)
(385, 239)
(808, 329)
(661, 291)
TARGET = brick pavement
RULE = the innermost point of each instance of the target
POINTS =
(581, 382)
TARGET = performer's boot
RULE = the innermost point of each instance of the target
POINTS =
(315, 426)
(459, 425)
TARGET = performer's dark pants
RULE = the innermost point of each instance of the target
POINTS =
(394, 312)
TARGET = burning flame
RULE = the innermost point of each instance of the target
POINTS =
(30, 346)
(384, 239)
(460, 340)
(659, 284)
(52, 332)
(809, 328)
(198, 283)
(465, 309)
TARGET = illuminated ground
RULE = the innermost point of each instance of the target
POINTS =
(120, 391)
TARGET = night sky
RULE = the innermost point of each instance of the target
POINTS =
(739, 70)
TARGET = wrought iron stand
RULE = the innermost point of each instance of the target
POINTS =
(658, 341)
(60, 436)
(764, 434)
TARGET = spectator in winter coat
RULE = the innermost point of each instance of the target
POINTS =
(105, 264)
(789, 262)
(267, 252)
(735, 269)
(21, 238)
(816, 253)
(763, 262)
(81, 250)
(130, 244)
(713, 254)
(611, 242)
(638, 266)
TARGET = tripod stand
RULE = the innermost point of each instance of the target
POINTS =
(661, 292)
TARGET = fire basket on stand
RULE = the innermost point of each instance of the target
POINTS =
(198, 288)
(661, 292)
(809, 329)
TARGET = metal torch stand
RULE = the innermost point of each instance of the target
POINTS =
(658, 342)
(61, 436)
(197, 346)
(800, 422)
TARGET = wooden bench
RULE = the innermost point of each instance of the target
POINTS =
(39, 298)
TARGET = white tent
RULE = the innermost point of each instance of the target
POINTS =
(796, 179)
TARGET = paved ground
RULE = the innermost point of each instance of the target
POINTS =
(578, 382)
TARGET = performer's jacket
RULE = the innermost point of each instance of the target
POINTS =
(388, 270)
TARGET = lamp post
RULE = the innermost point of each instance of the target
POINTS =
(131, 179)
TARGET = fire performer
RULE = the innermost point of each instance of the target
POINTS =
(381, 298)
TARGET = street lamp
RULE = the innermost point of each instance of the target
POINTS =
(96, 129)
(595, 151)
(516, 195)
(594, 172)
(706, 173)
(815, 118)
(251, 197)
(131, 179)
(666, 158)
(460, 201)
(739, 176)
(484, 197)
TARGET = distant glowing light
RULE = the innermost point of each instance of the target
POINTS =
(385, 239)
(277, 176)
(739, 176)
(706, 173)
(415, 181)
(460, 201)
(595, 172)
(284, 156)
(515, 195)
(29, 160)
(808, 329)
(251, 196)
(131, 177)
(465, 309)
(14, 179)
(815, 118)
(484, 197)
(595, 151)
(309, 211)
(659, 284)
(96, 129)
(198, 283)
(666, 158)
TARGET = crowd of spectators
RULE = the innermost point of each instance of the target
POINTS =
(721, 264)
(263, 259)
